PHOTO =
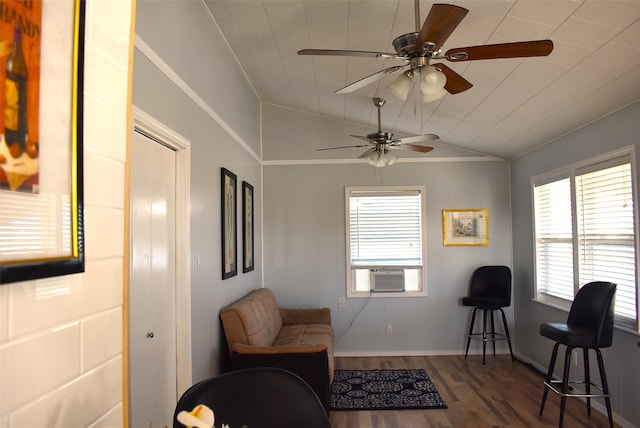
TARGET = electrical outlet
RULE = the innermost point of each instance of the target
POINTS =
(389, 328)
(342, 302)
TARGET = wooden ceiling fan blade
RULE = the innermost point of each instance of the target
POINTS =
(341, 147)
(439, 24)
(413, 148)
(418, 139)
(369, 79)
(501, 50)
(455, 83)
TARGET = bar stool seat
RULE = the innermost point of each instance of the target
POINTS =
(589, 326)
(574, 336)
(490, 291)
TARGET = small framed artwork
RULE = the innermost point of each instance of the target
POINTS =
(247, 227)
(228, 199)
(41, 146)
(465, 227)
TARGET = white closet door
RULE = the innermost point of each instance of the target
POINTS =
(152, 285)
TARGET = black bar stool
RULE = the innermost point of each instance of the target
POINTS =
(490, 291)
(589, 326)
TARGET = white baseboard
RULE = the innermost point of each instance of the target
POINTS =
(394, 353)
(409, 353)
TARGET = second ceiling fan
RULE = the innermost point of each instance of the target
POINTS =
(420, 48)
(380, 142)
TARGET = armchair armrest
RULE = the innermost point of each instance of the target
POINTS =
(305, 316)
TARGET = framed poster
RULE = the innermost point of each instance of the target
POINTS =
(465, 227)
(247, 227)
(41, 149)
(228, 199)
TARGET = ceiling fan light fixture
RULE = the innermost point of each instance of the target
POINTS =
(432, 80)
(380, 159)
(401, 85)
(374, 159)
(428, 97)
(390, 158)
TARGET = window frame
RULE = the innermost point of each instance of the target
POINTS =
(350, 283)
(572, 171)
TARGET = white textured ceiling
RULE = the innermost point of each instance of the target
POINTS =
(514, 104)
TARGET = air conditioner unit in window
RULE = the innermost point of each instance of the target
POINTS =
(387, 280)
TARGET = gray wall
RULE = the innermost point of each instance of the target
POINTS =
(621, 360)
(194, 58)
(304, 245)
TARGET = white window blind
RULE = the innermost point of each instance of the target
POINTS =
(385, 229)
(554, 238)
(585, 231)
(606, 232)
(34, 226)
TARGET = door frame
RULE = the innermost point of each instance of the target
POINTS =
(149, 126)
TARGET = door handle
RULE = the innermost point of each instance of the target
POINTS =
(150, 335)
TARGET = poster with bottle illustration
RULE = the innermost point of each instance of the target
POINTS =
(20, 39)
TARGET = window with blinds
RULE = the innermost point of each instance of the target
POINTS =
(384, 231)
(591, 238)
(554, 238)
(606, 250)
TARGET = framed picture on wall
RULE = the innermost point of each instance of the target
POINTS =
(228, 205)
(465, 227)
(247, 227)
(41, 147)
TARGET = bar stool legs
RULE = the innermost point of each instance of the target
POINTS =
(487, 335)
(589, 326)
(565, 390)
(506, 330)
(605, 386)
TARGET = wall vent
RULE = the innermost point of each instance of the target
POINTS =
(387, 280)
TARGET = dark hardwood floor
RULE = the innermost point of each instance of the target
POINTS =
(502, 394)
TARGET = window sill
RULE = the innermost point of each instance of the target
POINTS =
(378, 294)
(554, 302)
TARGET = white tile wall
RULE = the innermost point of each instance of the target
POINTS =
(102, 231)
(111, 419)
(77, 403)
(61, 338)
(107, 180)
(101, 338)
(59, 298)
(37, 364)
(4, 318)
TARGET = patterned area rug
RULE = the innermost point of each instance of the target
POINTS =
(384, 390)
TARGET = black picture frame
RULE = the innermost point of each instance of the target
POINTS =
(69, 257)
(229, 230)
(247, 228)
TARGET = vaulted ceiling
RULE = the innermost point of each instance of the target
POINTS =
(514, 104)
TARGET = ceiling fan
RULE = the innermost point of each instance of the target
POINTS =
(419, 49)
(378, 155)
